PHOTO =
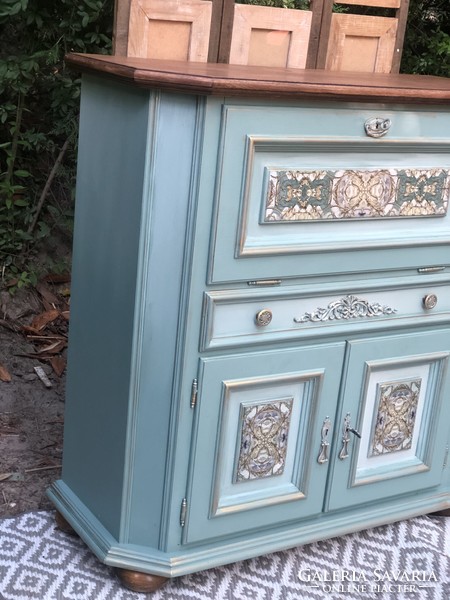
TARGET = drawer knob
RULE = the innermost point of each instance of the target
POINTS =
(263, 317)
(377, 127)
(429, 301)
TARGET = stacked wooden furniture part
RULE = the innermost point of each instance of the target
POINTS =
(222, 31)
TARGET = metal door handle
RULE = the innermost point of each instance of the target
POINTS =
(324, 444)
(343, 454)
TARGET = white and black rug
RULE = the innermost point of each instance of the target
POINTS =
(409, 560)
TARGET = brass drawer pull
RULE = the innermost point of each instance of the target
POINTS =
(263, 317)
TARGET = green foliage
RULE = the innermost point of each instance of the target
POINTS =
(39, 100)
(301, 4)
(427, 42)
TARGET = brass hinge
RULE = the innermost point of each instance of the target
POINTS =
(183, 512)
(194, 393)
(431, 269)
(445, 457)
(264, 282)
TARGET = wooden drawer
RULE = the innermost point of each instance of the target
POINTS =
(231, 317)
(297, 186)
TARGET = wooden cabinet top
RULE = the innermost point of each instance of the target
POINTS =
(245, 81)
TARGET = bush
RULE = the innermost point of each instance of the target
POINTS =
(427, 41)
(39, 101)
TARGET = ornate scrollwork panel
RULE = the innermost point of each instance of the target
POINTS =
(349, 307)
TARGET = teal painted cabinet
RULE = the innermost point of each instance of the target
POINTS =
(260, 329)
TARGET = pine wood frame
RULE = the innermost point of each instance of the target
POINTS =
(222, 22)
(392, 43)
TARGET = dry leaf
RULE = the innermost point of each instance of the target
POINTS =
(28, 329)
(54, 348)
(4, 476)
(57, 278)
(41, 321)
(65, 315)
(58, 364)
(4, 374)
(48, 298)
(4, 430)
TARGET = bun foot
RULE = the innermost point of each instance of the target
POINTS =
(140, 582)
(64, 525)
(442, 513)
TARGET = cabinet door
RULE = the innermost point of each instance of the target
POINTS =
(396, 396)
(261, 422)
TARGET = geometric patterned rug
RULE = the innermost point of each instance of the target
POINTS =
(409, 560)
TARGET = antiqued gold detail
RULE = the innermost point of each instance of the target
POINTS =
(395, 417)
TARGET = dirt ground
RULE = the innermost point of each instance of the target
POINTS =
(33, 333)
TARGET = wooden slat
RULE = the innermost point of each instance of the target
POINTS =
(268, 36)
(221, 30)
(377, 3)
(314, 37)
(244, 81)
(322, 47)
(402, 17)
(120, 27)
(214, 34)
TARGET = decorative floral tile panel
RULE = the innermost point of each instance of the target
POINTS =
(264, 437)
(356, 194)
(395, 417)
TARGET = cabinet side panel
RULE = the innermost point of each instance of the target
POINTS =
(170, 194)
(106, 241)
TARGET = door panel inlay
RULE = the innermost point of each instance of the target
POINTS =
(264, 449)
(395, 417)
(264, 436)
(355, 194)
